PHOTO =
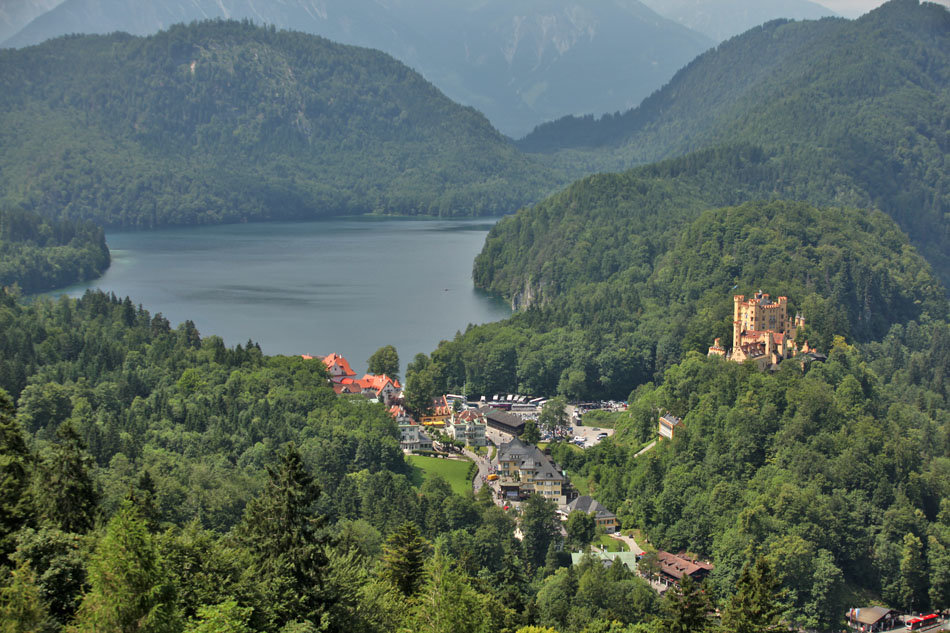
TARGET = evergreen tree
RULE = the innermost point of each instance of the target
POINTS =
(67, 495)
(129, 589)
(540, 527)
(754, 607)
(687, 606)
(448, 603)
(16, 506)
(283, 533)
(226, 617)
(913, 574)
(404, 557)
(143, 497)
(22, 609)
(938, 554)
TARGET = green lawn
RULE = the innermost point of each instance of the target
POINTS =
(613, 545)
(453, 471)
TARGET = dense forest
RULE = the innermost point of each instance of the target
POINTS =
(40, 254)
(838, 473)
(850, 272)
(226, 121)
(862, 104)
(155, 480)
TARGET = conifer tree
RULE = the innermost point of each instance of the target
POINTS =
(913, 574)
(16, 505)
(687, 606)
(129, 589)
(22, 609)
(754, 607)
(448, 603)
(283, 533)
(540, 527)
(404, 558)
(67, 495)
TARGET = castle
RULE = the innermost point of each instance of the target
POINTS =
(762, 330)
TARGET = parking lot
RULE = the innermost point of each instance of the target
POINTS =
(591, 435)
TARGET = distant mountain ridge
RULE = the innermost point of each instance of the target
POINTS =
(16, 14)
(722, 19)
(519, 63)
(225, 121)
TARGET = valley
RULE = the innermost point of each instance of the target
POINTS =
(747, 269)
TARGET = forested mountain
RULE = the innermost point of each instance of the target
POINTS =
(520, 63)
(861, 103)
(625, 306)
(225, 121)
(722, 19)
(150, 472)
(40, 254)
(838, 475)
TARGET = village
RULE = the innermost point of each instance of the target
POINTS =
(489, 434)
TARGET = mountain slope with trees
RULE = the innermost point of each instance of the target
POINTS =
(39, 254)
(520, 63)
(851, 272)
(864, 102)
(225, 121)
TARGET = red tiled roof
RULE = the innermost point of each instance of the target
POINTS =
(336, 359)
(306, 356)
(377, 382)
(469, 415)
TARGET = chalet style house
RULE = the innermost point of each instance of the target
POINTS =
(343, 380)
(602, 516)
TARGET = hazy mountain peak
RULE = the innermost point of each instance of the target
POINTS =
(722, 19)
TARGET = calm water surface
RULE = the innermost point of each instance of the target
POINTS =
(344, 285)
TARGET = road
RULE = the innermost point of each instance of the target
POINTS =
(646, 448)
(632, 544)
(483, 468)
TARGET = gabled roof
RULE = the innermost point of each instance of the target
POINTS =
(515, 450)
(377, 382)
(589, 505)
(675, 566)
(470, 415)
(872, 615)
(338, 360)
(529, 458)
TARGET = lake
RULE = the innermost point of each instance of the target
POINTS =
(342, 285)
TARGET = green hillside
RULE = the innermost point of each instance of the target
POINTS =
(851, 272)
(40, 254)
(868, 100)
(225, 121)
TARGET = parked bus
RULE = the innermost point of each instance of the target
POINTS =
(923, 623)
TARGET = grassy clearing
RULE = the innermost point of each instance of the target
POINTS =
(453, 471)
(602, 419)
(612, 545)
